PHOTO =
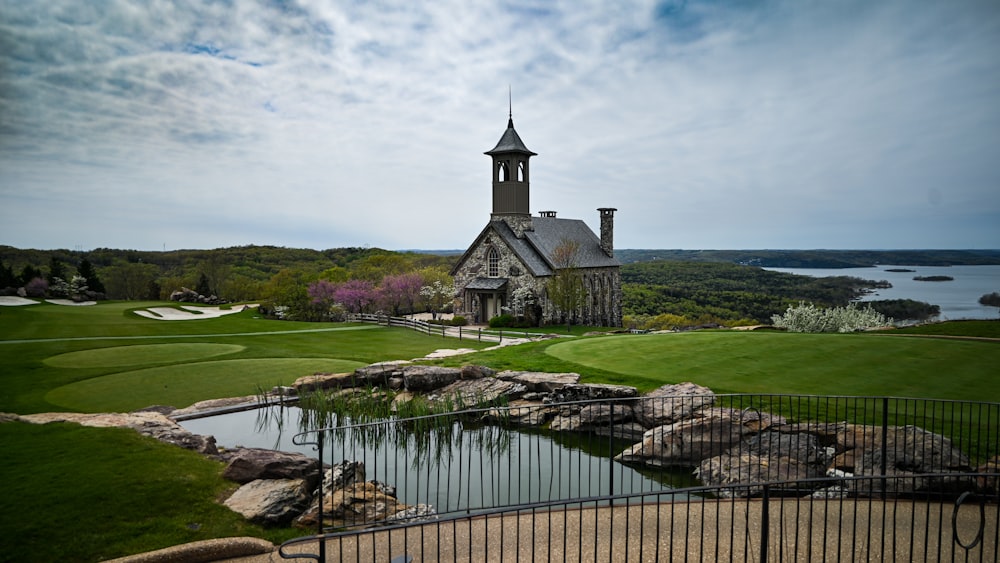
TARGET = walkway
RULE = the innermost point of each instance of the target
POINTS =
(710, 530)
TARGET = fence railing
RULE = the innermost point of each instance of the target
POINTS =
(737, 477)
(460, 332)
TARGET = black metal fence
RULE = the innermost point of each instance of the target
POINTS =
(726, 478)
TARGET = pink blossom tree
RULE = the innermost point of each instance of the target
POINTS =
(401, 291)
(355, 295)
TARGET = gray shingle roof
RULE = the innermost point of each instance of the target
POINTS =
(536, 248)
(489, 284)
(510, 141)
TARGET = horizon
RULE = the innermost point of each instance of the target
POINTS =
(773, 124)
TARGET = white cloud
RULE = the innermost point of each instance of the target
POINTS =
(723, 125)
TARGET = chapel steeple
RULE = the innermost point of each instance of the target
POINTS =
(510, 174)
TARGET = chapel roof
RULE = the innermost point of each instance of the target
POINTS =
(510, 141)
(536, 248)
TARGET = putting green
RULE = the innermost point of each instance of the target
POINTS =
(143, 354)
(815, 364)
(183, 384)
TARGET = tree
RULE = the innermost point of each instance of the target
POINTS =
(29, 273)
(401, 291)
(7, 277)
(436, 295)
(990, 299)
(56, 270)
(203, 287)
(87, 271)
(355, 295)
(129, 280)
(565, 288)
(810, 318)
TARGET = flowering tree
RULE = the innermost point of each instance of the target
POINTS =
(435, 296)
(401, 291)
(810, 318)
(36, 287)
(355, 295)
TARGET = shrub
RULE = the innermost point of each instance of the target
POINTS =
(810, 318)
(502, 321)
(37, 287)
(459, 320)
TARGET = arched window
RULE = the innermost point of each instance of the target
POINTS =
(522, 171)
(503, 171)
(493, 262)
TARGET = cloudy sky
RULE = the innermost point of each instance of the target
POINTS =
(320, 124)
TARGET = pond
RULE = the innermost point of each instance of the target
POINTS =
(458, 466)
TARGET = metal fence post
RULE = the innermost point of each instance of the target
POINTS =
(885, 444)
(765, 522)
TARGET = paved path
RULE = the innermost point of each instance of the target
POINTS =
(710, 530)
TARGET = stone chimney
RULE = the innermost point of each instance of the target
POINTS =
(608, 230)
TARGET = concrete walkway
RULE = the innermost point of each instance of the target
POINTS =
(709, 530)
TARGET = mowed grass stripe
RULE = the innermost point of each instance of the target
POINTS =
(184, 384)
(818, 364)
(141, 354)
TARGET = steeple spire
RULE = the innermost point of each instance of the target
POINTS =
(510, 108)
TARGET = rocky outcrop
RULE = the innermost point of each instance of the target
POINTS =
(671, 403)
(270, 502)
(244, 465)
(148, 423)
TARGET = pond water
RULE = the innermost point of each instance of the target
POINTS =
(461, 467)
(957, 298)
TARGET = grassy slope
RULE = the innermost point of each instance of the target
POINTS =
(72, 358)
(120, 501)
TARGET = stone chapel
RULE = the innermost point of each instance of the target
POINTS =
(513, 256)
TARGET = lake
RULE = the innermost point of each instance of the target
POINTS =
(958, 298)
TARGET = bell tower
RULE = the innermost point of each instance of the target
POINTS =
(511, 176)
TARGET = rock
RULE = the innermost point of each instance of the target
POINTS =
(358, 504)
(989, 483)
(770, 456)
(343, 474)
(521, 413)
(420, 379)
(670, 403)
(912, 456)
(710, 432)
(477, 372)
(249, 464)
(539, 382)
(378, 374)
(416, 513)
(270, 502)
(323, 381)
(589, 391)
(476, 392)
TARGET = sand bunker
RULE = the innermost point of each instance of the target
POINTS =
(189, 312)
(70, 302)
(15, 301)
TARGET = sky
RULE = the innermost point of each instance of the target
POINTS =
(725, 124)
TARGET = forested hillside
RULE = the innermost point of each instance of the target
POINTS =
(713, 292)
(702, 289)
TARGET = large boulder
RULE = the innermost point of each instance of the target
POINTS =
(670, 403)
(540, 382)
(591, 391)
(323, 381)
(249, 464)
(359, 504)
(476, 392)
(603, 419)
(709, 432)
(912, 456)
(378, 374)
(783, 459)
(270, 502)
(421, 379)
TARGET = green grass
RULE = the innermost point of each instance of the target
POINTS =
(109, 488)
(73, 493)
(104, 357)
(811, 364)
